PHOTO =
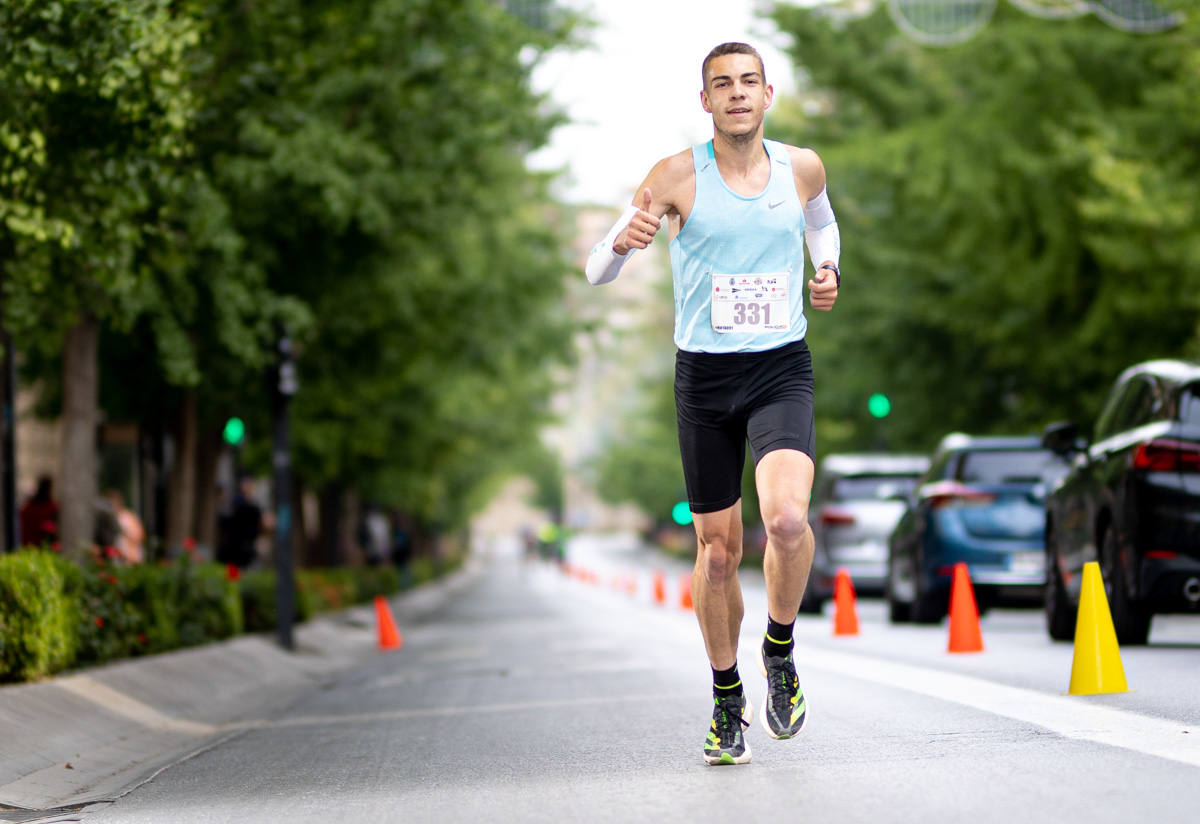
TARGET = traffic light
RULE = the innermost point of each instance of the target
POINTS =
(681, 513)
(234, 432)
(879, 406)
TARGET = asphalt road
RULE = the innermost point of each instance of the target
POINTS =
(538, 696)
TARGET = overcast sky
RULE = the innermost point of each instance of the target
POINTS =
(633, 97)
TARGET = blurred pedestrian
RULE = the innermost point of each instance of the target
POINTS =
(39, 515)
(240, 527)
(740, 210)
(130, 535)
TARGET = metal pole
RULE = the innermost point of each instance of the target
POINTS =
(284, 386)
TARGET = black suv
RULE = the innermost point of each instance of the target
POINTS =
(1131, 501)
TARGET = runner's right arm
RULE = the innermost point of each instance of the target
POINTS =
(633, 230)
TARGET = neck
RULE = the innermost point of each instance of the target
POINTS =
(739, 151)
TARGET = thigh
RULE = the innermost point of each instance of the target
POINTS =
(784, 480)
(780, 408)
(712, 434)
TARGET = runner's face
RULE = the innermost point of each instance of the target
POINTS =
(735, 94)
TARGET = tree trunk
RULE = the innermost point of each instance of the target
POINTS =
(208, 456)
(77, 473)
(182, 497)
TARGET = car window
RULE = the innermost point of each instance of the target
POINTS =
(1001, 466)
(1104, 424)
(1189, 405)
(869, 487)
(941, 467)
(1138, 403)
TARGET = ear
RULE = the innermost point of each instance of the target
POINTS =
(770, 95)
(704, 101)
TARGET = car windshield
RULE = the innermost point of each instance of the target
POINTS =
(1006, 466)
(869, 487)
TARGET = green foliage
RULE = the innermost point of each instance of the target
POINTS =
(94, 105)
(1018, 214)
(37, 619)
(145, 609)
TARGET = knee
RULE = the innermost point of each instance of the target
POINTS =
(786, 525)
(718, 562)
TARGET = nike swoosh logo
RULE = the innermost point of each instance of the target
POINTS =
(774, 205)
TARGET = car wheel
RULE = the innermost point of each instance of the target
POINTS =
(1131, 620)
(927, 607)
(899, 612)
(1060, 618)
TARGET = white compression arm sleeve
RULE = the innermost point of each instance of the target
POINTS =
(821, 234)
(603, 264)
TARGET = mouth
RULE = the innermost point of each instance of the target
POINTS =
(739, 111)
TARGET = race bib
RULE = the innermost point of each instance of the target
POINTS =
(750, 303)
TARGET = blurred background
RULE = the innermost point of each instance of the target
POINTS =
(344, 240)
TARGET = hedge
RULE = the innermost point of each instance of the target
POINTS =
(55, 614)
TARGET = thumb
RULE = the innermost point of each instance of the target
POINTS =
(646, 199)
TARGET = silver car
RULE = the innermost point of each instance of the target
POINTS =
(857, 500)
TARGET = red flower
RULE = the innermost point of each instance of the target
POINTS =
(111, 552)
(56, 546)
(99, 621)
(112, 579)
(189, 544)
(142, 638)
(232, 572)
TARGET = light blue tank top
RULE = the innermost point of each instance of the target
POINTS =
(727, 234)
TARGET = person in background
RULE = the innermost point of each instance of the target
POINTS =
(131, 534)
(39, 515)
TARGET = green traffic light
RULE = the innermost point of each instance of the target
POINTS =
(879, 406)
(681, 513)
(235, 431)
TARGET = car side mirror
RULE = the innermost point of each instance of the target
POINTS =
(1061, 437)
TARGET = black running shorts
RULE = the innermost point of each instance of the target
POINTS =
(721, 400)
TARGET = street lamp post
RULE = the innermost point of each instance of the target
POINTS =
(283, 388)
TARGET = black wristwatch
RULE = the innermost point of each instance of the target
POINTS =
(836, 272)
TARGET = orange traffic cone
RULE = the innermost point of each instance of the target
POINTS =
(389, 636)
(965, 635)
(845, 614)
(660, 588)
(685, 592)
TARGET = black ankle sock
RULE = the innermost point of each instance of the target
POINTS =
(778, 642)
(726, 682)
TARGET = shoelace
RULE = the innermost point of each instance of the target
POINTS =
(725, 726)
(785, 671)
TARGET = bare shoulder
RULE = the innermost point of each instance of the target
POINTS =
(671, 182)
(808, 171)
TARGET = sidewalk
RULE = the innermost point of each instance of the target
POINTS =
(96, 734)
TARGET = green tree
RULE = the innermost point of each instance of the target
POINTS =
(94, 107)
(1018, 213)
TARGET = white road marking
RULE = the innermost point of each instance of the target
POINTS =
(1069, 716)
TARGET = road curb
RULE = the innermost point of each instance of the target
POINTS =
(93, 734)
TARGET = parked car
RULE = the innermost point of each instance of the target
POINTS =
(981, 502)
(1131, 501)
(857, 500)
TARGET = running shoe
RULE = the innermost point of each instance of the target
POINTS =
(784, 708)
(725, 743)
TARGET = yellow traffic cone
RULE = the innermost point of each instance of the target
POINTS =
(1097, 665)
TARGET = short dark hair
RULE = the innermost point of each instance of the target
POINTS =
(730, 48)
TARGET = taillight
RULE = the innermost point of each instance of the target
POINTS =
(832, 516)
(953, 493)
(1163, 455)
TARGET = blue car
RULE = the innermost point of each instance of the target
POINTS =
(981, 502)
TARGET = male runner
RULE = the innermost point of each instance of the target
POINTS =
(739, 208)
